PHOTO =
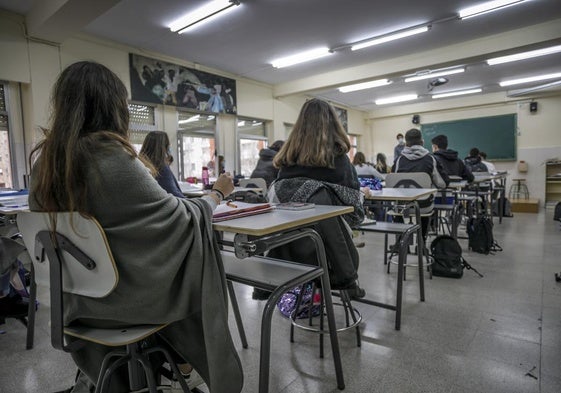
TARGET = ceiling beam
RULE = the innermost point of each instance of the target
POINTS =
(57, 20)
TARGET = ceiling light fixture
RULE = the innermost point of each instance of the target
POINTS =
(364, 85)
(301, 57)
(457, 93)
(430, 74)
(190, 120)
(203, 14)
(390, 37)
(392, 100)
(530, 79)
(524, 55)
(487, 7)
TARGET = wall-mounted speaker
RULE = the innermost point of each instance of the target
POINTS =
(533, 107)
(416, 119)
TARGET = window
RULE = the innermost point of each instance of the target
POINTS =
(5, 151)
(141, 122)
(252, 138)
(196, 143)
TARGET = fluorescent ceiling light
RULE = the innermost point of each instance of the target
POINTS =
(257, 123)
(391, 100)
(435, 74)
(365, 85)
(524, 55)
(489, 6)
(189, 120)
(301, 57)
(204, 13)
(391, 37)
(457, 93)
(241, 123)
(530, 79)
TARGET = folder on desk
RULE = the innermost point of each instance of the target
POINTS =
(237, 209)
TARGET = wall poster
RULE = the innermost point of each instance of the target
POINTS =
(166, 83)
(342, 115)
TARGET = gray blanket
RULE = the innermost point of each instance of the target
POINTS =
(170, 270)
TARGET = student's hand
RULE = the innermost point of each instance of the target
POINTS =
(224, 184)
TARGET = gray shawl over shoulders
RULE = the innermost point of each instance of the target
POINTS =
(170, 270)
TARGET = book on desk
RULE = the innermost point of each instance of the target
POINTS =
(230, 210)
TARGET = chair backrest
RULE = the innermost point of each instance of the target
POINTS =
(257, 181)
(413, 180)
(73, 257)
(80, 241)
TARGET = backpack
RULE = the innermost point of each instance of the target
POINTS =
(480, 234)
(447, 257)
(557, 212)
(287, 302)
(507, 207)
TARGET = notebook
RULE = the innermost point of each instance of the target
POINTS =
(230, 210)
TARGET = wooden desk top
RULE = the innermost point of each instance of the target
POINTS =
(400, 194)
(279, 220)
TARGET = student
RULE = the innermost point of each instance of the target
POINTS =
(490, 166)
(156, 150)
(381, 165)
(399, 147)
(448, 158)
(265, 168)
(415, 158)
(314, 167)
(364, 169)
(169, 267)
(473, 161)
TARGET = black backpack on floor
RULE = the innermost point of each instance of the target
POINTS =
(446, 253)
(480, 234)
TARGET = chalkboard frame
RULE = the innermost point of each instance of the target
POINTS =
(503, 134)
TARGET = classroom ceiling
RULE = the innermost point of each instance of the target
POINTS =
(245, 41)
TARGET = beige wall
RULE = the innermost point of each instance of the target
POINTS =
(538, 136)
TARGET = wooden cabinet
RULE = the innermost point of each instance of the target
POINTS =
(553, 182)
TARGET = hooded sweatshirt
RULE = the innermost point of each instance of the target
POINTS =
(452, 164)
(265, 168)
(418, 159)
(474, 164)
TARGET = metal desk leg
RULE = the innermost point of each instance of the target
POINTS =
(237, 315)
(420, 252)
(31, 310)
(326, 294)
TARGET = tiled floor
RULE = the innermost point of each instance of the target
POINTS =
(500, 333)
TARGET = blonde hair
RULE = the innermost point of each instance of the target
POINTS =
(316, 138)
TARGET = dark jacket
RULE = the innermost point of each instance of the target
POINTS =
(418, 159)
(341, 253)
(452, 165)
(265, 168)
(324, 186)
(474, 164)
(397, 150)
(168, 182)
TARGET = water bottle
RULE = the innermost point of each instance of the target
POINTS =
(204, 176)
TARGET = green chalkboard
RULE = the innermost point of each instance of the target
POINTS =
(495, 135)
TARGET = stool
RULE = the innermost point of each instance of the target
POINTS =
(348, 310)
(518, 190)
